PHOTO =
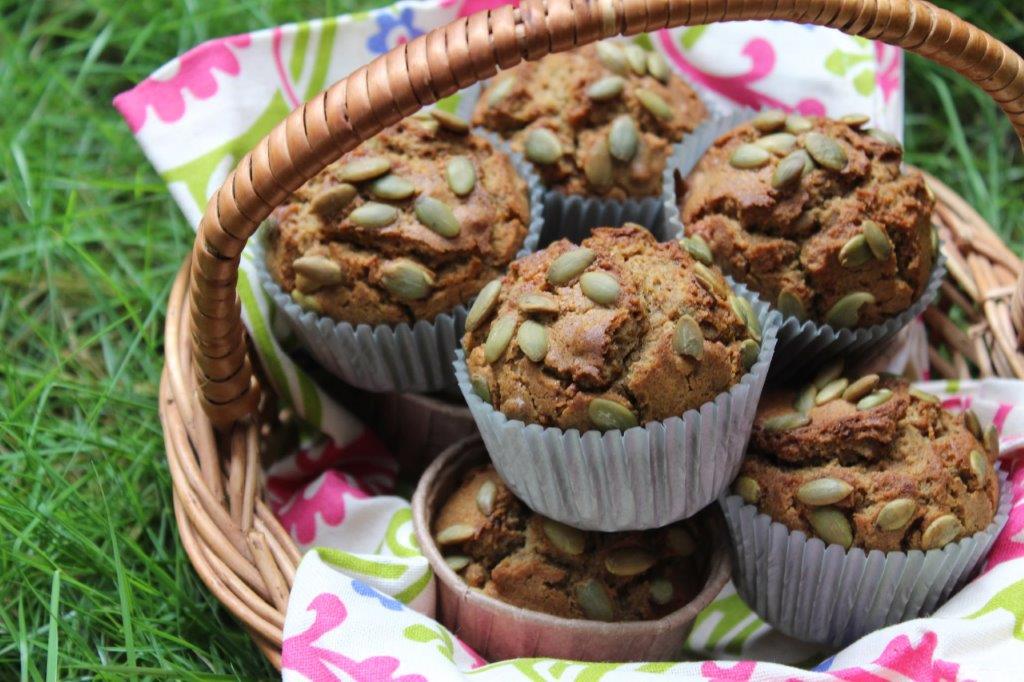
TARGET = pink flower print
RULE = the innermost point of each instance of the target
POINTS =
(473, 6)
(740, 672)
(195, 74)
(1010, 543)
(300, 653)
(913, 662)
(888, 66)
(323, 498)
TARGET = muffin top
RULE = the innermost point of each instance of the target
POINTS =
(598, 120)
(816, 216)
(410, 224)
(611, 334)
(870, 462)
(497, 544)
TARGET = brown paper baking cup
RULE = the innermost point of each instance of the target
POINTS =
(499, 631)
(404, 357)
(417, 428)
(645, 477)
(827, 595)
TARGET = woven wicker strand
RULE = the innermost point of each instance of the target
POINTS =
(209, 395)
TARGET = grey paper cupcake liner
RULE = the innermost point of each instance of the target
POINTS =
(645, 477)
(831, 596)
(403, 357)
(803, 346)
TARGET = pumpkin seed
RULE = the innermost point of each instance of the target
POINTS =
(598, 165)
(305, 285)
(785, 422)
(831, 391)
(860, 388)
(688, 339)
(500, 90)
(457, 562)
(628, 561)
(746, 312)
(823, 491)
(805, 399)
(566, 539)
(790, 169)
(455, 533)
(533, 340)
(769, 120)
(828, 373)
(569, 265)
(486, 494)
(831, 525)
(319, 270)
(330, 201)
(537, 303)
(778, 143)
(406, 280)
(594, 601)
(658, 67)
(926, 397)
(484, 304)
(710, 279)
(885, 137)
(749, 156)
(661, 591)
(366, 168)
(481, 388)
(941, 532)
(450, 122)
(438, 216)
(461, 175)
(973, 424)
(653, 103)
(855, 252)
(542, 146)
(991, 440)
(698, 248)
(825, 150)
(623, 138)
(790, 305)
(372, 214)
(855, 120)
(846, 311)
(612, 57)
(979, 465)
(873, 400)
(935, 241)
(896, 514)
(748, 489)
(609, 415)
(606, 88)
(392, 187)
(636, 57)
(878, 241)
(796, 124)
(306, 302)
(680, 542)
(599, 287)
(749, 350)
(426, 121)
(499, 336)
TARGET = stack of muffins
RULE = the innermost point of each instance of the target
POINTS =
(615, 376)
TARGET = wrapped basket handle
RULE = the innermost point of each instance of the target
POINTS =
(468, 50)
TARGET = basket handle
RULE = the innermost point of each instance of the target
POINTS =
(470, 49)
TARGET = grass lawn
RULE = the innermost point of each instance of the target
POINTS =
(95, 583)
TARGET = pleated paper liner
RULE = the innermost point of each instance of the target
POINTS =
(645, 477)
(499, 631)
(832, 596)
(404, 357)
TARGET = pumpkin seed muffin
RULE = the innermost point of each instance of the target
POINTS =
(614, 333)
(496, 544)
(598, 120)
(816, 216)
(870, 462)
(410, 224)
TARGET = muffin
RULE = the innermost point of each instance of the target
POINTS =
(615, 333)
(496, 544)
(599, 120)
(860, 496)
(815, 215)
(578, 346)
(397, 235)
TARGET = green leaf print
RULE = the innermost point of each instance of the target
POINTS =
(1010, 599)
(732, 612)
(691, 35)
(426, 634)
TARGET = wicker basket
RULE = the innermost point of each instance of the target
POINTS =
(209, 396)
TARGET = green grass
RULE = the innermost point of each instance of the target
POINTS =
(95, 583)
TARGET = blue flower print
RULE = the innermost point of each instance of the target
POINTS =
(367, 591)
(401, 26)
